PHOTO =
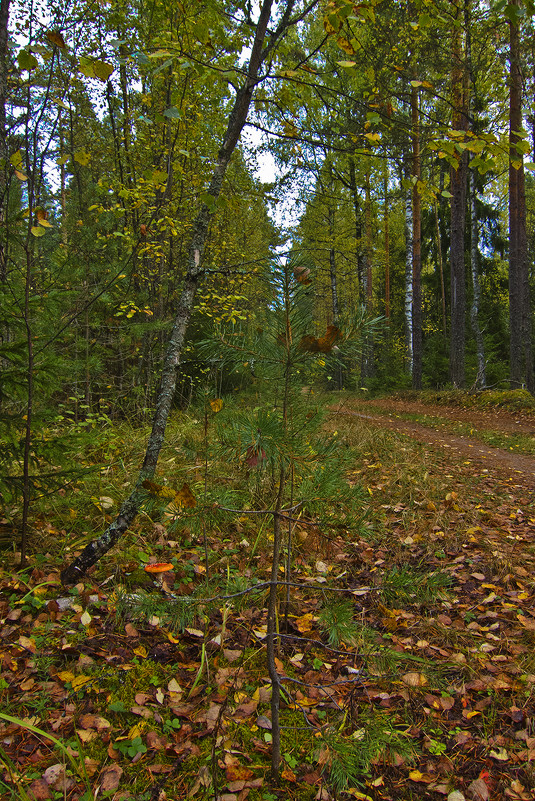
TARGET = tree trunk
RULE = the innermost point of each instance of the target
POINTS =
(408, 279)
(358, 231)
(367, 365)
(236, 121)
(520, 344)
(481, 378)
(4, 150)
(387, 242)
(417, 350)
(458, 179)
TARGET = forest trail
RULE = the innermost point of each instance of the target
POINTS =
(392, 413)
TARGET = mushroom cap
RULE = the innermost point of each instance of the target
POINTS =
(159, 567)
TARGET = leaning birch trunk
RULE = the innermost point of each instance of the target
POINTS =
(237, 119)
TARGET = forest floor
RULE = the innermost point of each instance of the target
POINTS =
(430, 694)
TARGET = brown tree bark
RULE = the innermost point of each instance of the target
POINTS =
(520, 343)
(4, 154)
(236, 121)
(458, 179)
(417, 344)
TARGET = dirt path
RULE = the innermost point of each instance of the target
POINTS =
(519, 469)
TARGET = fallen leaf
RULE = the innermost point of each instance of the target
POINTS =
(478, 790)
(39, 790)
(110, 778)
(89, 721)
(238, 773)
(414, 679)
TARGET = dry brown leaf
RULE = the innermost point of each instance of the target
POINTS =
(185, 497)
(38, 790)
(414, 679)
(55, 38)
(111, 778)
(238, 773)
(89, 721)
(478, 790)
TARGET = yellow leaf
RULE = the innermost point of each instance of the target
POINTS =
(305, 623)
(65, 675)
(185, 498)
(85, 619)
(80, 681)
(416, 775)
(141, 651)
(216, 405)
(135, 731)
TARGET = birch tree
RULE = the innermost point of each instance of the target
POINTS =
(272, 24)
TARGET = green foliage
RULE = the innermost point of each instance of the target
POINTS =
(346, 758)
(406, 585)
(336, 620)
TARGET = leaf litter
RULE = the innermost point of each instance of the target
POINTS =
(440, 661)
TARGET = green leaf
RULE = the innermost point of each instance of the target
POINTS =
(102, 70)
(86, 68)
(210, 201)
(62, 160)
(445, 193)
(158, 177)
(82, 157)
(347, 64)
(36, 230)
(173, 113)
(16, 160)
(27, 60)
(160, 54)
(93, 68)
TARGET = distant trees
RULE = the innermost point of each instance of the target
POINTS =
(123, 185)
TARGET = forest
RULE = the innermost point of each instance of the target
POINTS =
(266, 399)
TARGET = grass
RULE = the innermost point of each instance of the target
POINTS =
(408, 557)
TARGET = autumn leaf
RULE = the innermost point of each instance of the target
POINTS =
(414, 679)
(302, 275)
(216, 405)
(305, 623)
(254, 456)
(55, 38)
(236, 773)
(324, 344)
(185, 497)
(110, 778)
(91, 721)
